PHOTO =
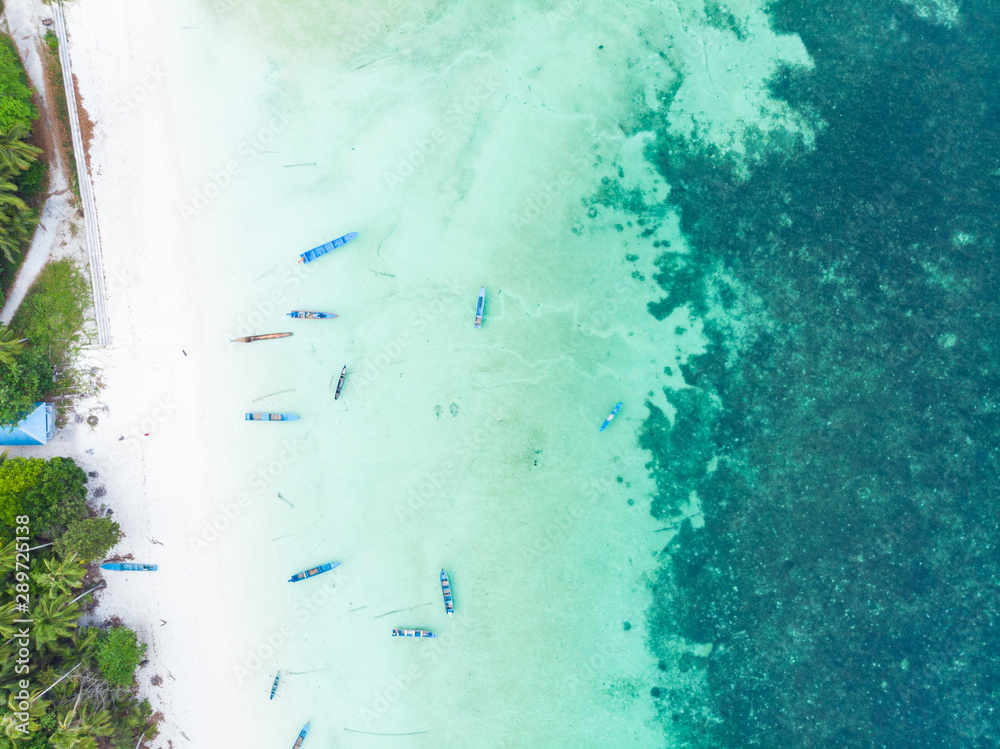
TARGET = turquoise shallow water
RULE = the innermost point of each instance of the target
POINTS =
(463, 156)
(693, 210)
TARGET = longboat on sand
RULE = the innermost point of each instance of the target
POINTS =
(302, 736)
(449, 601)
(317, 252)
(480, 307)
(262, 337)
(313, 571)
(271, 417)
(274, 687)
(412, 633)
(129, 567)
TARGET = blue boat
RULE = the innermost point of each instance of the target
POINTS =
(317, 252)
(340, 384)
(449, 601)
(129, 567)
(302, 736)
(271, 417)
(303, 315)
(274, 687)
(306, 574)
(480, 307)
(412, 633)
(614, 412)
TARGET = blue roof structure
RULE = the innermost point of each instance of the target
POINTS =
(35, 429)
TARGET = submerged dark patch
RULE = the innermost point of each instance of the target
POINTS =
(847, 574)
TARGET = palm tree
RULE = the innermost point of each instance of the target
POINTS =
(9, 721)
(15, 154)
(60, 576)
(10, 345)
(79, 733)
(55, 618)
(16, 220)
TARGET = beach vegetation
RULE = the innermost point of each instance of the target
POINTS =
(118, 653)
(15, 91)
(11, 344)
(94, 705)
(49, 321)
(51, 492)
(88, 539)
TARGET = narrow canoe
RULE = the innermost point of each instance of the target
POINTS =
(449, 602)
(304, 315)
(316, 252)
(271, 417)
(340, 385)
(274, 687)
(412, 633)
(614, 412)
(264, 337)
(302, 736)
(306, 574)
(480, 307)
(129, 567)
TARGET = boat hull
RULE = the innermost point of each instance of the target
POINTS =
(340, 384)
(274, 686)
(270, 417)
(480, 307)
(449, 601)
(129, 567)
(611, 416)
(312, 572)
(412, 633)
(263, 337)
(318, 252)
(302, 737)
(299, 314)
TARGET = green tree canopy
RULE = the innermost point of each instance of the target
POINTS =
(59, 497)
(88, 539)
(118, 654)
(22, 383)
(15, 93)
(17, 476)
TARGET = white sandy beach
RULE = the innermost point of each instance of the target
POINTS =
(463, 144)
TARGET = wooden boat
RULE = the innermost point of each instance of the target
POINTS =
(306, 574)
(302, 736)
(129, 567)
(340, 385)
(303, 315)
(412, 633)
(614, 412)
(264, 337)
(274, 687)
(449, 602)
(271, 417)
(480, 307)
(316, 252)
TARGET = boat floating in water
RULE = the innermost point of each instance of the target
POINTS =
(449, 602)
(263, 337)
(312, 572)
(129, 567)
(412, 633)
(480, 307)
(317, 252)
(340, 385)
(271, 417)
(614, 412)
(302, 736)
(274, 687)
(303, 315)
